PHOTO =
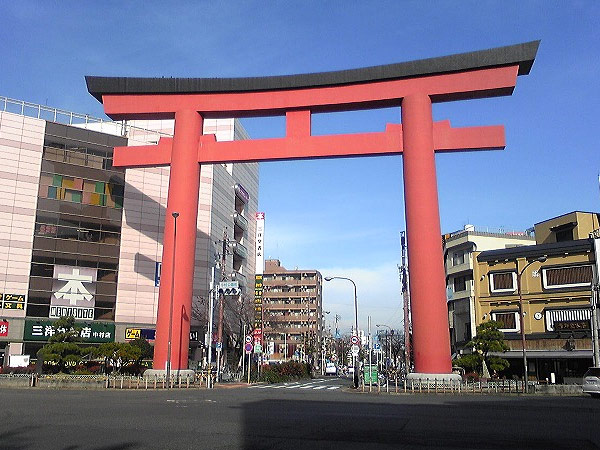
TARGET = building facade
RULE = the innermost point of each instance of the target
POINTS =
(83, 238)
(292, 312)
(460, 249)
(556, 289)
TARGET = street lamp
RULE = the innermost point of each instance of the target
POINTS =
(175, 215)
(541, 259)
(355, 322)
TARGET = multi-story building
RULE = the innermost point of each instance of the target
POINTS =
(556, 292)
(459, 250)
(83, 238)
(292, 312)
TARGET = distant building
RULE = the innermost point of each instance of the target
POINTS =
(292, 312)
(460, 248)
(556, 297)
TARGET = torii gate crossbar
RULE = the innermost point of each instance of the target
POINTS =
(413, 86)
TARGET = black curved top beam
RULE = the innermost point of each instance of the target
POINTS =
(522, 55)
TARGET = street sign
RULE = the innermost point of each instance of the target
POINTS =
(248, 347)
(229, 288)
(377, 346)
(257, 348)
(218, 345)
(354, 340)
(355, 349)
(248, 339)
(370, 373)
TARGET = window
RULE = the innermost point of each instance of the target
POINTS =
(508, 320)
(460, 284)
(79, 190)
(564, 235)
(566, 277)
(574, 319)
(458, 258)
(503, 282)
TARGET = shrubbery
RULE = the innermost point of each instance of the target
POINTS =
(290, 370)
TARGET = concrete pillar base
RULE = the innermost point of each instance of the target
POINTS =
(424, 377)
(175, 373)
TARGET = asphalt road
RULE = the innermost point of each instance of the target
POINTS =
(292, 417)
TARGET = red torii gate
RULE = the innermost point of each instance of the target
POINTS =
(413, 86)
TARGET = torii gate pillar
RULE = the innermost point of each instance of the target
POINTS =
(431, 339)
(173, 321)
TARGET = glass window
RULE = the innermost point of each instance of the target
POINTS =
(561, 277)
(503, 281)
(458, 258)
(508, 320)
(42, 270)
(460, 284)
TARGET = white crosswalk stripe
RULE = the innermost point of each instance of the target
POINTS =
(313, 385)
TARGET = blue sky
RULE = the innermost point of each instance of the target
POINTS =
(343, 216)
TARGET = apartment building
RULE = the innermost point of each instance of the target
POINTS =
(292, 312)
(460, 248)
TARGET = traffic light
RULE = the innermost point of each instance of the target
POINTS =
(230, 291)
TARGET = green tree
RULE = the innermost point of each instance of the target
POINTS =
(62, 348)
(488, 339)
(117, 354)
(146, 350)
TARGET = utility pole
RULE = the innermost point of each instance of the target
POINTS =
(211, 313)
(221, 304)
(337, 336)
(403, 269)
(595, 297)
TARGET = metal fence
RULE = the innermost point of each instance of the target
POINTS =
(121, 128)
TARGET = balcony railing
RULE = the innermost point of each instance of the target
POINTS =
(239, 250)
(239, 277)
(240, 221)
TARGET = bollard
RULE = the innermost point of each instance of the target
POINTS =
(436, 386)
(146, 380)
(121, 381)
(179, 377)
(187, 381)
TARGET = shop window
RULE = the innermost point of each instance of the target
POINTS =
(567, 277)
(503, 282)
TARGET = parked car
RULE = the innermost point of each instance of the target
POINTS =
(591, 382)
(330, 369)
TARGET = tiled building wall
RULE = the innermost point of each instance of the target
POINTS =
(145, 203)
(142, 231)
(21, 147)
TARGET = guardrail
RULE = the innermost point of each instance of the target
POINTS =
(102, 381)
(433, 386)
